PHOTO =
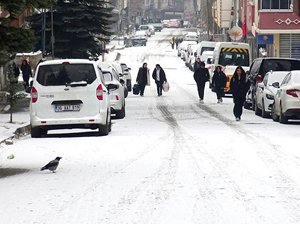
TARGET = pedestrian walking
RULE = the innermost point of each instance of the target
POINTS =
(172, 41)
(160, 77)
(16, 72)
(201, 75)
(197, 64)
(177, 42)
(26, 72)
(239, 85)
(219, 81)
(143, 78)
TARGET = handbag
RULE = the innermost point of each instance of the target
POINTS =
(166, 86)
(136, 89)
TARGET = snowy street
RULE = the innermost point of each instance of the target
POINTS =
(170, 160)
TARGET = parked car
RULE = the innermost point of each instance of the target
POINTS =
(117, 98)
(67, 94)
(145, 28)
(182, 47)
(123, 76)
(186, 24)
(192, 55)
(260, 67)
(158, 25)
(191, 36)
(173, 23)
(287, 98)
(127, 75)
(266, 91)
(165, 23)
(140, 38)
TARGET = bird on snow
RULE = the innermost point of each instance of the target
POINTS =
(52, 165)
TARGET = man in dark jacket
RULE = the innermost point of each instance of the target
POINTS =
(26, 72)
(143, 78)
(160, 77)
(201, 75)
(197, 64)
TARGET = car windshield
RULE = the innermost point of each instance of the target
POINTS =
(62, 74)
(203, 49)
(107, 76)
(144, 28)
(237, 57)
(154, 21)
(279, 65)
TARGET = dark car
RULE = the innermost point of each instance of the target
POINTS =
(260, 67)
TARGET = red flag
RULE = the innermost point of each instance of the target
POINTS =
(244, 28)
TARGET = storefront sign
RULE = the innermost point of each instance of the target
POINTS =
(263, 39)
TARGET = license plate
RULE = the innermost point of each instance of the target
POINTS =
(66, 108)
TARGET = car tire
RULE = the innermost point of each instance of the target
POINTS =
(282, 118)
(247, 105)
(36, 132)
(264, 114)
(273, 114)
(257, 110)
(129, 86)
(104, 128)
(120, 114)
(125, 91)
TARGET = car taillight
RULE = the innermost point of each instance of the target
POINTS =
(292, 92)
(34, 95)
(99, 92)
(208, 67)
(117, 97)
(259, 78)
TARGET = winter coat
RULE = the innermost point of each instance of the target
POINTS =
(219, 79)
(142, 78)
(197, 65)
(162, 76)
(239, 87)
(16, 71)
(201, 75)
(26, 70)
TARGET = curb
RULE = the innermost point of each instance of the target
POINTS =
(21, 131)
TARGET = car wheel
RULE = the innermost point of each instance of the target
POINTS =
(129, 85)
(282, 118)
(125, 91)
(247, 105)
(120, 114)
(104, 128)
(36, 132)
(273, 114)
(257, 110)
(264, 114)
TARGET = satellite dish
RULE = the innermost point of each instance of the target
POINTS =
(236, 33)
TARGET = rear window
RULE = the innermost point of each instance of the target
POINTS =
(279, 65)
(154, 21)
(144, 28)
(55, 75)
(203, 49)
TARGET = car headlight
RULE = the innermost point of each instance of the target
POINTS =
(269, 96)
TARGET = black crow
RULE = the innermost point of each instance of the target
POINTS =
(52, 165)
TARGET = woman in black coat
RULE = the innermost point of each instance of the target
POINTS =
(160, 77)
(201, 75)
(26, 72)
(239, 85)
(219, 81)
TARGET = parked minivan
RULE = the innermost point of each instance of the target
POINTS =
(67, 94)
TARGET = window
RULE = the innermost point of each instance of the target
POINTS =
(275, 4)
(234, 57)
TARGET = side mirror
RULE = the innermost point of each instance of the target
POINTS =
(275, 84)
(129, 68)
(261, 85)
(120, 74)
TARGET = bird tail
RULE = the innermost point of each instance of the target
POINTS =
(43, 168)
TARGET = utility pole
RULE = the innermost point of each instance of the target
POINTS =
(52, 32)
(207, 19)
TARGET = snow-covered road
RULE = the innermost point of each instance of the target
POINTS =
(170, 160)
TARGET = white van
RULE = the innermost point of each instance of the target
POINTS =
(205, 46)
(229, 55)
